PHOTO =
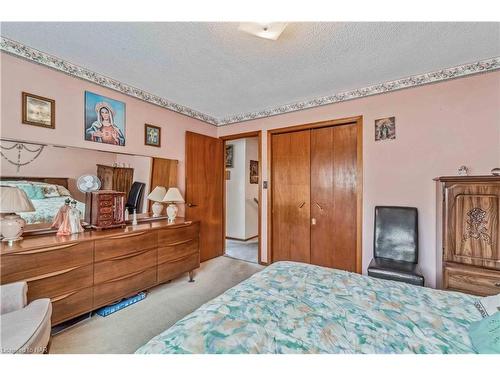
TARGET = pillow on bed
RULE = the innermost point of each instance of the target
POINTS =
(485, 334)
(488, 306)
(50, 191)
(63, 191)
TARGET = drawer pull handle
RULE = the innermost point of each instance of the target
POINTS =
(179, 242)
(497, 284)
(126, 256)
(56, 299)
(124, 277)
(127, 235)
(51, 274)
(180, 258)
(47, 249)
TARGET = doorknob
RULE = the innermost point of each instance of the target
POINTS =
(192, 205)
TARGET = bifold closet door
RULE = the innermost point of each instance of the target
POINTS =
(334, 196)
(291, 196)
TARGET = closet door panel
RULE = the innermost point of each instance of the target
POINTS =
(291, 196)
(333, 196)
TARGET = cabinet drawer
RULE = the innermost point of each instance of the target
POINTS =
(59, 282)
(31, 263)
(472, 280)
(170, 270)
(124, 265)
(168, 237)
(183, 249)
(123, 244)
(115, 289)
(70, 305)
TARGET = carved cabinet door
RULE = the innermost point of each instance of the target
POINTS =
(472, 224)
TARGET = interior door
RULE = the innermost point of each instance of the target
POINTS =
(204, 184)
(333, 196)
(291, 196)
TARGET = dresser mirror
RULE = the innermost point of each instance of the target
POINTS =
(49, 174)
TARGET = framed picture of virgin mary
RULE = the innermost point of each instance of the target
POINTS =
(104, 119)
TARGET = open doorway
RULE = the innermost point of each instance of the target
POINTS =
(242, 194)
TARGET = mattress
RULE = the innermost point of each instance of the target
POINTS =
(300, 308)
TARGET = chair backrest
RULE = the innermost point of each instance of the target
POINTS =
(396, 233)
(135, 196)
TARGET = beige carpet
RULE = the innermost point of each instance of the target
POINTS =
(128, 329)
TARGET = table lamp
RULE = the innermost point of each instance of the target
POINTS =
(157, 196)
(172, 197)
(13, 200)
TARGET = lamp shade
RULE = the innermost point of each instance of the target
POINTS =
(173, 195)
(157, 194)
(13, 200)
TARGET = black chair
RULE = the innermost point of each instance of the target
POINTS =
(134, 200)
(395, 245)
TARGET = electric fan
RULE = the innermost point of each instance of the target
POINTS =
(87, 184)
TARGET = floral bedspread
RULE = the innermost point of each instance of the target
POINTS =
(299, 308)
(46, 210)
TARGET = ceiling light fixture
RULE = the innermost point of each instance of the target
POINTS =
(266, 30)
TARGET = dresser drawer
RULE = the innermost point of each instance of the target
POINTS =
(123, 244)
(172, 236)
(171, 269)
(124, 265)
(70, 305)
(28, 264)
(116, 289)
(472, 280)
(182, 249)
(60, 282)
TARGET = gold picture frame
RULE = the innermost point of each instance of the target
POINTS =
(38, 111)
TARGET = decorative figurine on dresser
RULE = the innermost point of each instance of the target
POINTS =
(468, 234)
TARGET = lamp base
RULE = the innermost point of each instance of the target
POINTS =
(172, 212)
(157, 209)
(12, 228)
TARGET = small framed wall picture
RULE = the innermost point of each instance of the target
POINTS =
(38, 111)
(152, 135)
(229, 156)
(385, 129)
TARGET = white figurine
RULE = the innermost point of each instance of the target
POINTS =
(74, 218)
(134, 218)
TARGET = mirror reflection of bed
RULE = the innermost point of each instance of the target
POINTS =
(51, 178)
(46, 194)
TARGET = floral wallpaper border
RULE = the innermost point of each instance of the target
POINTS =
(21, 50)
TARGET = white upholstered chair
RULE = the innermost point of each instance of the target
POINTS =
(25, 328)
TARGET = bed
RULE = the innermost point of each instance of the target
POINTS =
(47, 199)
(300, 308)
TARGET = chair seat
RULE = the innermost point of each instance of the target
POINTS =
(388, 269)
(27, 330)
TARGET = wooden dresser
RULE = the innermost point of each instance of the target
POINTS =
(83, 272)
(468, 233)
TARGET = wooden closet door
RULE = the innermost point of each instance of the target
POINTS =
(291, 196)
(204, 184)
(333, 196)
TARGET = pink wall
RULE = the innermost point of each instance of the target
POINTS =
(20, 75)
(438, 128)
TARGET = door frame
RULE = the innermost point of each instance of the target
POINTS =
(258, 134)
(358, 120)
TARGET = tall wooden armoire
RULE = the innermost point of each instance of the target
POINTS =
(316, 178)
(468, 233)
(115, 178)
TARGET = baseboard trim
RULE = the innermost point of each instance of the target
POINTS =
(241, 239)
